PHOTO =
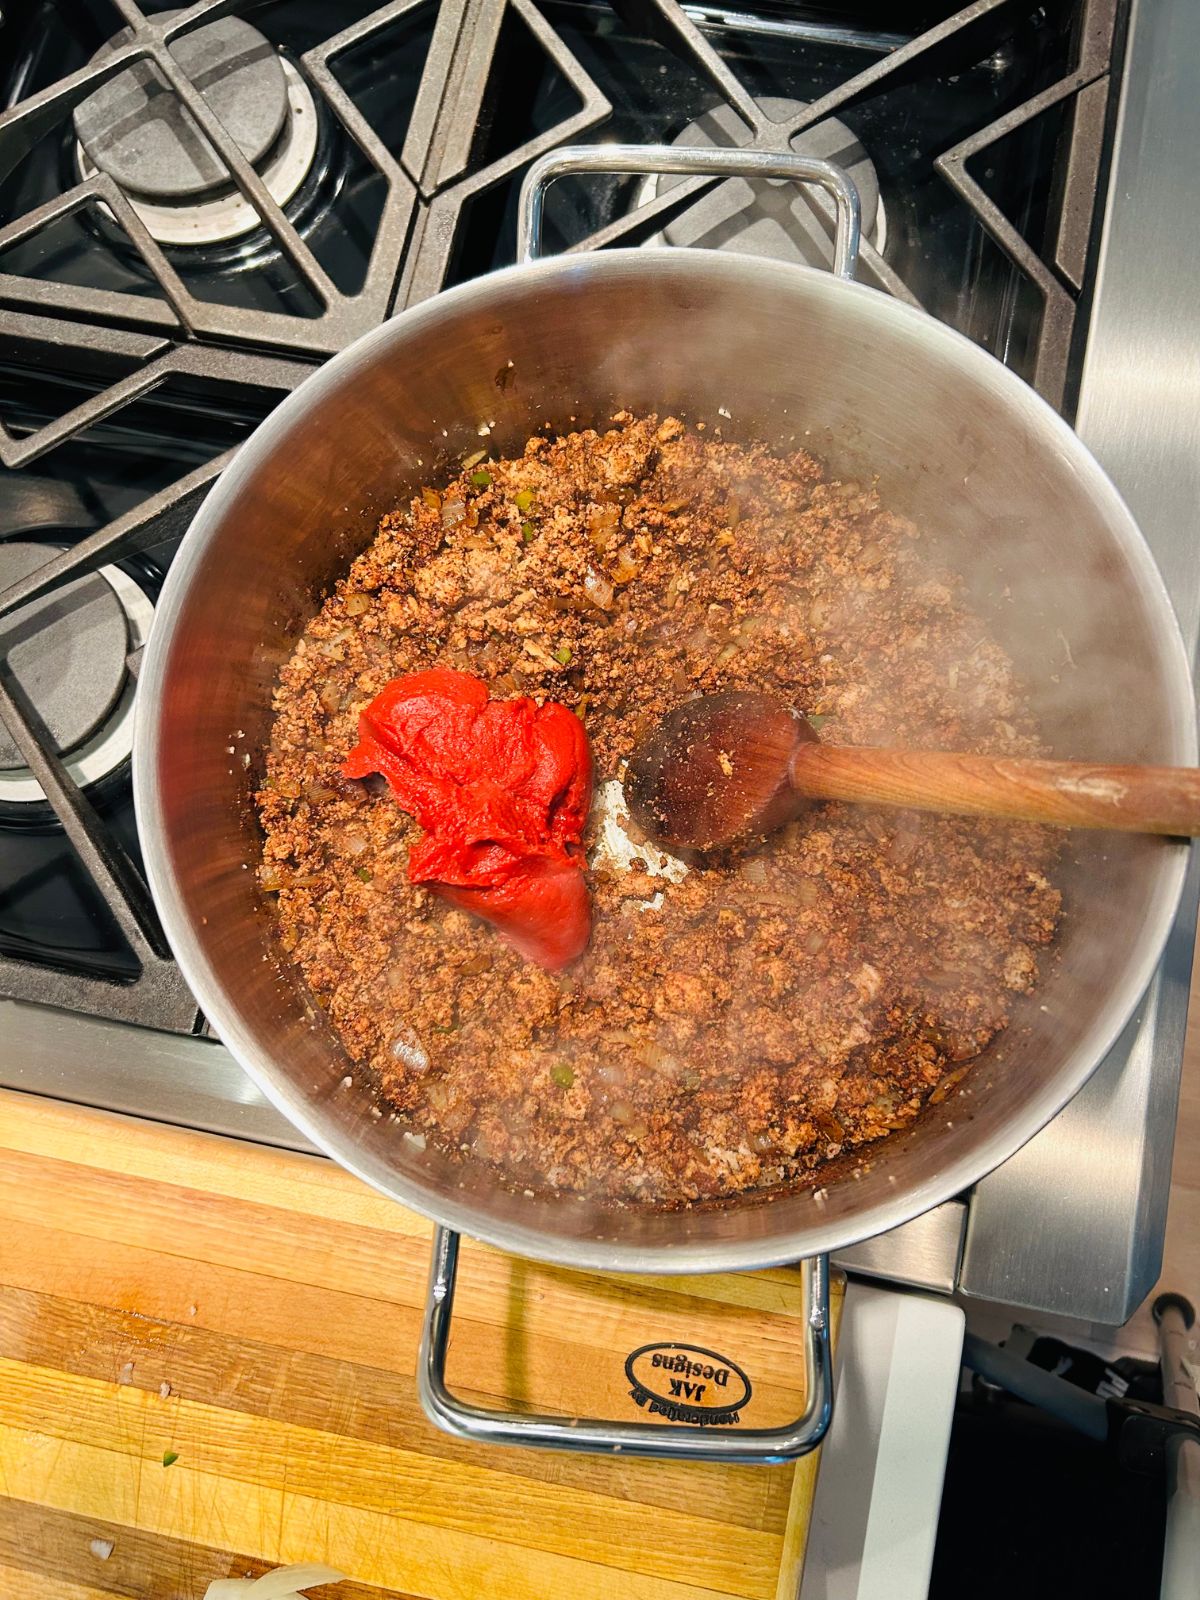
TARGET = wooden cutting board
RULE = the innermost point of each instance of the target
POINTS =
(207, 1353)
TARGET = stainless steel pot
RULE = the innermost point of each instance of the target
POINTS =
(957, 442)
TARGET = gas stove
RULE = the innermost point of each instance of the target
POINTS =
(203, 203)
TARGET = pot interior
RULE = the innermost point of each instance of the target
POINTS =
(997, 482)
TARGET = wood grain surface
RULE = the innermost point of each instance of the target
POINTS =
(251, 1317)
(1072, 794)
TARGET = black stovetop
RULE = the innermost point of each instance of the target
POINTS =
(129, 369)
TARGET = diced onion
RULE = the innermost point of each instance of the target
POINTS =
(407, 1048)
(624, 569)
(598, 589)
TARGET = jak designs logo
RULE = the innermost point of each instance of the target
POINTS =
(684, 1383)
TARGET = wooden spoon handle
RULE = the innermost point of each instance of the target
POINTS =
(1071, 794)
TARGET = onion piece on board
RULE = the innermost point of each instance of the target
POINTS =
(285, 1583)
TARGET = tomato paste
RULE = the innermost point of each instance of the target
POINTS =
(502, 789)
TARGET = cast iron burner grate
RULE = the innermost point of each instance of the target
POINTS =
(150, 315)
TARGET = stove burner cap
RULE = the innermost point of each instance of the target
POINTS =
(66, 650)
(136, 130)
(770, 217)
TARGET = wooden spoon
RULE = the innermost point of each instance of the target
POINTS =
(730, 767)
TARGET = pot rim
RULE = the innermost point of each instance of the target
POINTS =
(608, 1254)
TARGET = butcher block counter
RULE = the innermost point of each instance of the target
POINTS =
(207, 1355)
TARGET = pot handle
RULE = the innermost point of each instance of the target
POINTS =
(670, 1441)
(694, 163)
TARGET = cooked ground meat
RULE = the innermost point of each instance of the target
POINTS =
(731, 1027)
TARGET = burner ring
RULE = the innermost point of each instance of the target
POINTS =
(769, 217)
(67, 651)
(137, 130)
(112, 743)
(230, 215)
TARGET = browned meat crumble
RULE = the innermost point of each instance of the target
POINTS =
(741, 1027)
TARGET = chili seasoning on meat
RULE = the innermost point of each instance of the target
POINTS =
(733, 1028)
(502, 789)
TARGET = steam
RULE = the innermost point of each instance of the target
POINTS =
(911, 629)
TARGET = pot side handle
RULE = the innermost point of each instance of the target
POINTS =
(668, 1441)
(642, 158)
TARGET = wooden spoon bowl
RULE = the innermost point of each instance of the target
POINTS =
(726, 768)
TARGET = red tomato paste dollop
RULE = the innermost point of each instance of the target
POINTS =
(502, 789)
